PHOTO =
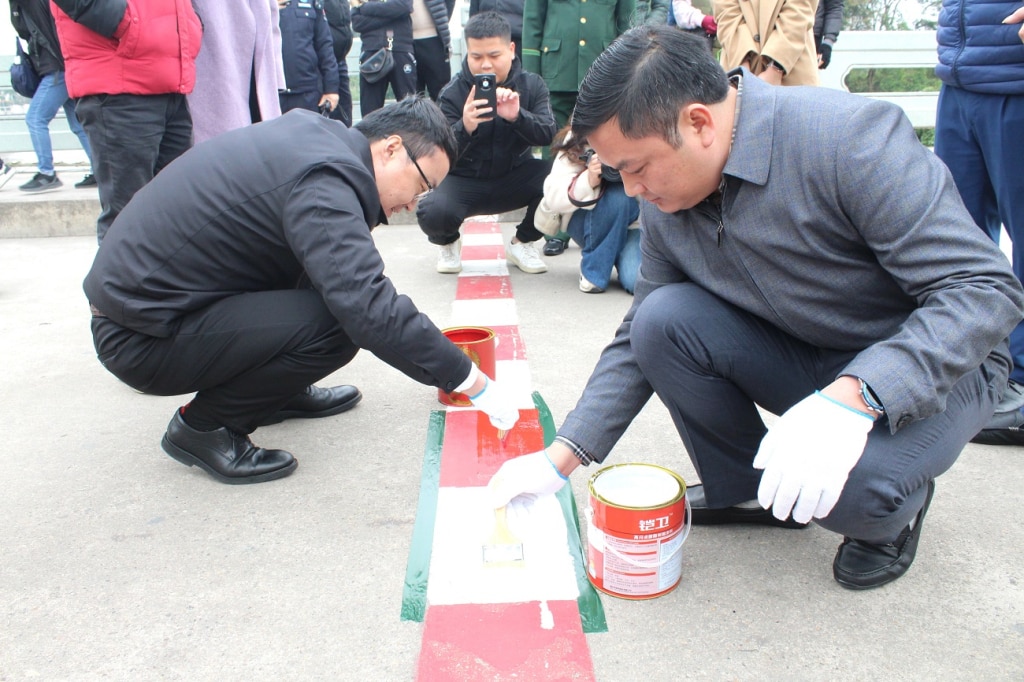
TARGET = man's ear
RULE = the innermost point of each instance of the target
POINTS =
(390, 146)
(696, 121)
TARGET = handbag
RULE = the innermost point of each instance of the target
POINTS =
(379, 64)
(24, 78)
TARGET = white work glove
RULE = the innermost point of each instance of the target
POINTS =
(527, 475)
(807, 457)
(494, 401)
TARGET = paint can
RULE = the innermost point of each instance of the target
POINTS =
(637, 520)
(479, 344)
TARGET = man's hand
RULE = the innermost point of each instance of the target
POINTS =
(808, 455)
(331, 100)
(824, 56)
(497, 403)
(475, 111)
(1017, 18)
(508, 104)
(532, 474)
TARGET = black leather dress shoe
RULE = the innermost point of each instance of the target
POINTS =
(1004, 428)
(227, 456)
(316, 402)
(702, 516)
(861, 565)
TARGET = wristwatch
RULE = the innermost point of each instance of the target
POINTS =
(769, 63)
(869, 398)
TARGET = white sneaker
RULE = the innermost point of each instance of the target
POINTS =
(588, 288)
(525, 257)
(449, 258)
(6, 173)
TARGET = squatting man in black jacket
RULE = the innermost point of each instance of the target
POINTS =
(245, 271)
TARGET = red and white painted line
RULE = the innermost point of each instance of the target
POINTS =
(486, 622)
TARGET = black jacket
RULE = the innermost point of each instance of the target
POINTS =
(512, 10)
(33, 21)
(372, 20)
(263, 208)
(497, 146)
(339, 18)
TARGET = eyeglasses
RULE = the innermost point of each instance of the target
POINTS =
(430, 187)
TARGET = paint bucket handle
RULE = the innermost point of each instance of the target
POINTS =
(589, 512)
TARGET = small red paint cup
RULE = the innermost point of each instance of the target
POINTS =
(479, 344)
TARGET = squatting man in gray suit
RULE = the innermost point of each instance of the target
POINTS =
(801, 252)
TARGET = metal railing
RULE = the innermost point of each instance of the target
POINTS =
(854, 50)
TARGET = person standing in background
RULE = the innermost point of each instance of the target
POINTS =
(772, 38)
(979, 134)
(33, 21)
(651, 12)
(131, 103)
(238, 70)
(310, 68)
(385, 23)
(561, 39)
(432, 45)
(339, 18)
(828, 21)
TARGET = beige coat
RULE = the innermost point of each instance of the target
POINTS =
(780, 29)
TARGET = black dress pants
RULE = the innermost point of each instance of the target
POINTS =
(433, 70)
(402, 80)
(244, 356)
(132, 138)
(440, 213)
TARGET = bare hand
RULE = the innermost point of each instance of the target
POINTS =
(331, 100)
(1017, 18)
(771, 75)
(508, 104)
(594, 170)
(475, 112)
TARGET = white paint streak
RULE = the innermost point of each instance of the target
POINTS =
(463, 525)
(483, 239)
(492, 266)
(484, 312)
(547, 619)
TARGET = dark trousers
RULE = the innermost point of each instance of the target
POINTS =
(244, 356)
(712, 364)
(343, 112)
(132, 138)
(433, 70)
(441, 213)
(981, 138)
(402, 80)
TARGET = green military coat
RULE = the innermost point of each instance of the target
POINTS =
(562, 38)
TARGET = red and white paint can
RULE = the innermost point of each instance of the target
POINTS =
(637, 521)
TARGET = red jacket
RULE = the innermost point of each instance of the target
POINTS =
(152, 51)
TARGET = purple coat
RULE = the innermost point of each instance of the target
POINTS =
(240, 35)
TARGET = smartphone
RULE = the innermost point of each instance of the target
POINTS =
(485, 89)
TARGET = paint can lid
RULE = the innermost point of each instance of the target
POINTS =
(637, 485)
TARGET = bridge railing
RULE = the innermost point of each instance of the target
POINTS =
(854, 50)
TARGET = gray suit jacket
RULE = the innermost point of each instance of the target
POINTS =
(838, 227)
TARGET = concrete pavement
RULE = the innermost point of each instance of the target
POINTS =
(119, 563)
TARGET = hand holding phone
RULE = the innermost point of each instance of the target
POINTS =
(486, 87)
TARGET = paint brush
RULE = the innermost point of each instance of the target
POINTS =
(502, 436)
(502, 547)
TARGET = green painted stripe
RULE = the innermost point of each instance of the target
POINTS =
(414, 594)
(589, 601)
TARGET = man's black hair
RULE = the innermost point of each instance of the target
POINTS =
(644, 79)
(488, 25)
(418, 121)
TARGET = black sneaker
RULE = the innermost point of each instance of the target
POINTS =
(88, 181)
(42, 183)
(554, 247)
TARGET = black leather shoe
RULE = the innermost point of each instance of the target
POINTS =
(316, 402)
(702, 516)
(862, 565)
(554, 247)
(227, 456)
(1004, 428)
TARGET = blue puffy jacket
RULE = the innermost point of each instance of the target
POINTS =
(977, 52)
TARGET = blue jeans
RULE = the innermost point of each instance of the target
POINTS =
(980, 137)
(604, 235)
(49, 98)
